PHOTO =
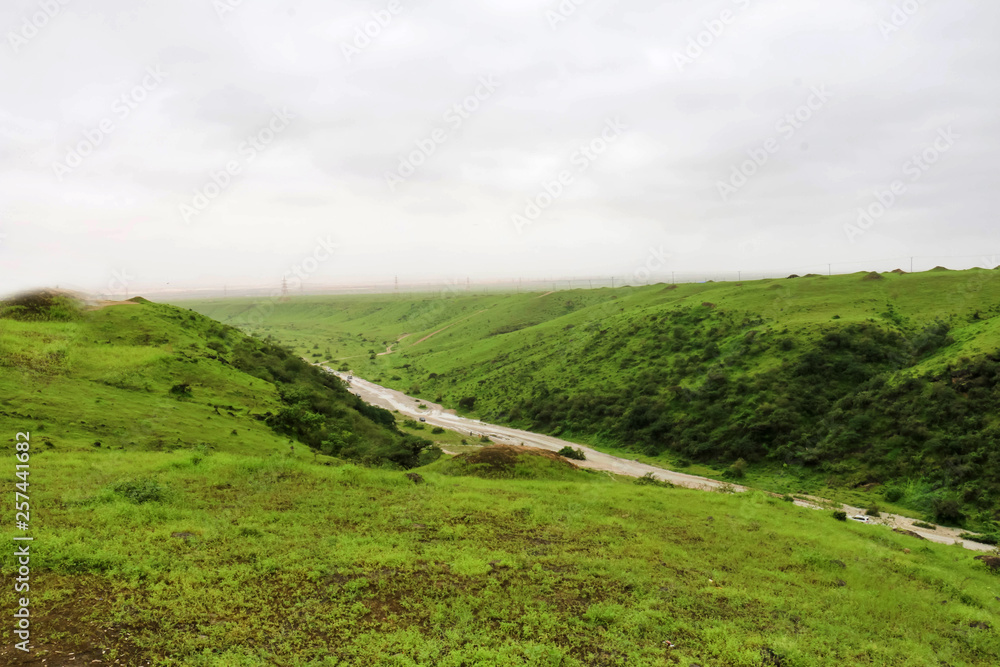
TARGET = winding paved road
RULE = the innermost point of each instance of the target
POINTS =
(437, 415)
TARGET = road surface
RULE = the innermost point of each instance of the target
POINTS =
(436, 415)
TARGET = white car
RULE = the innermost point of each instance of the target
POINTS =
(862, 518)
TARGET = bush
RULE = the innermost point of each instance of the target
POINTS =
(947, 510)
(467, 403)
(893, 494)
(181, 390)
(140, 491)
(738, 470)
(982, 539)
(649, 480)
(787, 498)
(570, 453)
(430, 455)
(437, 430)
(921, 524)
(840, 515)
(873, 511)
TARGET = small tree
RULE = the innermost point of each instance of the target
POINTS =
(570, 453)
(738, 469)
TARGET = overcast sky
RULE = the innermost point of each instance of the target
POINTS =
(202, 143)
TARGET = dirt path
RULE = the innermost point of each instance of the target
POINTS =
(388, 349)
(101, 305)
(448, 327)
(436, 415)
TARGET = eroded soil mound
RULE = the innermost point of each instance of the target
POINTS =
(508, 462)
(507, 456)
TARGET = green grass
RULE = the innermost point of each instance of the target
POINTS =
(178, 542)
(278, 560)
(829, 385)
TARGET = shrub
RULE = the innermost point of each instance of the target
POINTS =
(430, 455)
(982, 539)
(873, 511)
(840, 515)
(467, 403)
(437, 430)
(183, 389)
(787, 498)
(570, 453)
(140, 491)
(893, 494)
(649, 480)
(947, 510)
(922, 524)
(218, 346)
(738, 469)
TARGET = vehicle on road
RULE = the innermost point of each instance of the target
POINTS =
(423, 419)
(862, 518)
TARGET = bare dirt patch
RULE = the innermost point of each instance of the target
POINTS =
(74, 628)
(502, 458)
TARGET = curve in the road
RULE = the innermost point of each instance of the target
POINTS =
(437, 415)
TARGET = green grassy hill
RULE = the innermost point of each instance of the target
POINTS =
(143, 376)
(194, 535)
(886, 382)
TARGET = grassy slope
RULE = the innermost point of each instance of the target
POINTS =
(351, 328)
(274, 561)
(501, 348)
(77, 383)
(247, 554)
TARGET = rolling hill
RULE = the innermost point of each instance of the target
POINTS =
(884, 383)
(184, 513)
